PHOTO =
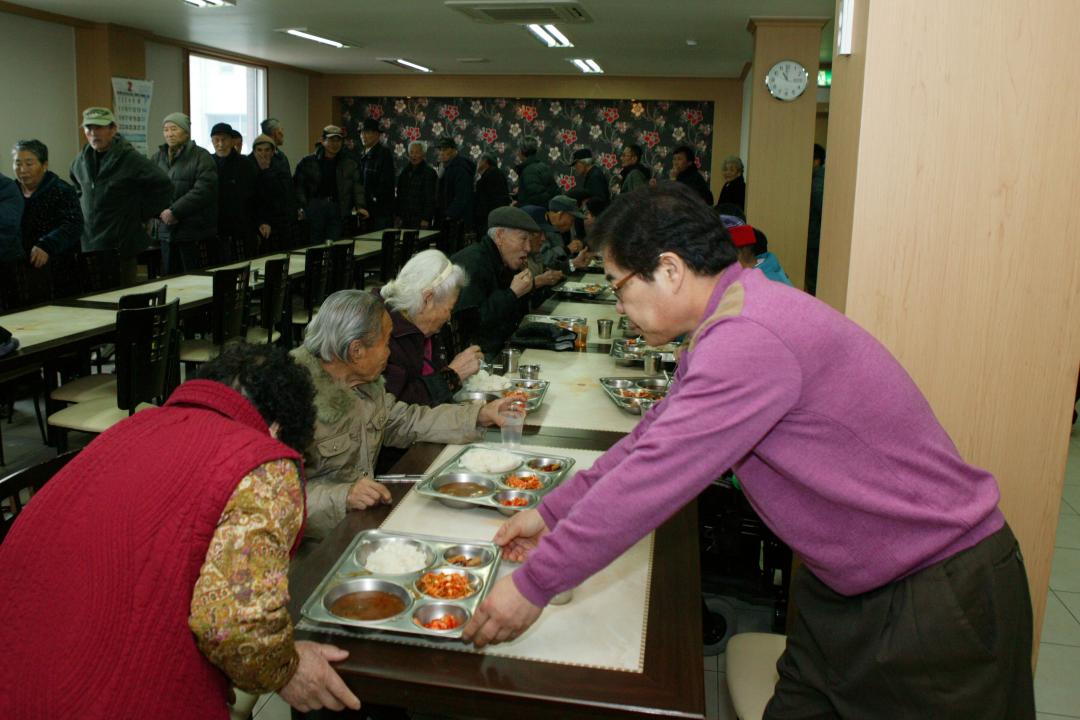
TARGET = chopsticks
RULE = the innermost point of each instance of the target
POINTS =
(398, 478)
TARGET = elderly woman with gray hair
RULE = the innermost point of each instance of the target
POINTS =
(345, 350)
(420, 300)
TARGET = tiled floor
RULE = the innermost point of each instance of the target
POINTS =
(1057, 678)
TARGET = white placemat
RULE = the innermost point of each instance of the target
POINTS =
(603, 626)
(189, 288)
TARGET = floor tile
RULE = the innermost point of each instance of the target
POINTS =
(1065, 573)
(274, 709)
(1049, 716)
(1059, 625)
(710, 663)
(726, 709)
(1056, 688)
(712, 699)
(1068, 532)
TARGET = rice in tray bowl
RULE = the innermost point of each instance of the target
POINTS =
(490, 461)
(485, 381)
(396, 558)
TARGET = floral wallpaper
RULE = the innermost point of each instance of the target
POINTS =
(562, 126)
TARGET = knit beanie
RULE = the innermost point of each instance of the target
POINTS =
(263, 139)
(179, 119)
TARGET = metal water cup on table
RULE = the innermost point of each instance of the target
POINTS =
(529, 372)
(603, 328)
(510, 359)
(654, 363)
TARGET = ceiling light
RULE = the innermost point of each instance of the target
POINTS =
(587, 65)
(403, 63)
(209, 3)
(550, 36)
(300, 33)
(691, 42)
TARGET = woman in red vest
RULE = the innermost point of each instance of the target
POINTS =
(151, 572)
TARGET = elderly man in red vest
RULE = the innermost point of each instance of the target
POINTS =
(151, 572)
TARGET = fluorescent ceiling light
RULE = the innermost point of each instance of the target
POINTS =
(587, 65)
(209, 3)
(550, 36)
(414, 66)
(299, 32)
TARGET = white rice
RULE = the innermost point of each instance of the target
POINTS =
(485, 381)
(490, 461)
(396, 558)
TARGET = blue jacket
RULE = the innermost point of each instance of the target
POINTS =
(770, 265)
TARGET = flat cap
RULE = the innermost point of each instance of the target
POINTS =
(566, 204)
(509, 216)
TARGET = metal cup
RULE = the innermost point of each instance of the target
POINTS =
(510, 359)
(603, 328)
(529, 372)
(653, 363)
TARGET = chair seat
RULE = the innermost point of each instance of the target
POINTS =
(90, 387)
(199, 350)
(92, 416)
(257, 336)
(300, 317)
(751, 671)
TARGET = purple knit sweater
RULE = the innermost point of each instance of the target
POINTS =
(833, 443)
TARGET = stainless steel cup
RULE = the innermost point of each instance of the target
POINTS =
(529, 372)
(653, 363)
(510, 359)
(603, 328)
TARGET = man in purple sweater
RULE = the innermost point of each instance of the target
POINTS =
(913, 600)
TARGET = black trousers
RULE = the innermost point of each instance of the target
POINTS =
(951, 641)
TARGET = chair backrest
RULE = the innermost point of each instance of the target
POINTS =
(341, 266)
(230, 303)
(316, 277)
(142, 300)
(275, 290)
(410, 239)
(93, 275)
(147, 349)
(388, 256)
(29, 479)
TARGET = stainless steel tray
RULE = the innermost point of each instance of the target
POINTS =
(629, 352)
(535, 390)
(635, 405)
(349, 574)
(563, 321)
(494, 485)
(590, 290)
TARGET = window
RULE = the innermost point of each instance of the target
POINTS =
(222, 91)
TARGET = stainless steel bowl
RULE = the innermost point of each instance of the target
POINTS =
(504, 495)
(477, 396)
(484, 555)
(364, 552)
(367, 585)
(653, 384)
(475, 583)
(619, 384)
(538, 462)
(430, 611)
(445, 481)
(527, 384)
(544, 480)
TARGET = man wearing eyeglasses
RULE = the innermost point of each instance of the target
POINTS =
(913, 598)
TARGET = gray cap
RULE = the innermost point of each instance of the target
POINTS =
(566, 204)
(512, 217)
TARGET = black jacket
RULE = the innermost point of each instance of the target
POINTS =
(237, 176)
(274, 200)
(416, 193)
(350, 189)
(494, 309)
(455, 190)
(195, 193)
(492, 191)
(690, 176)
(377, 176)
(595, 183)
(52, 219)
(733, 192)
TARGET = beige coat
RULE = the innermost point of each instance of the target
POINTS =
(352, 425)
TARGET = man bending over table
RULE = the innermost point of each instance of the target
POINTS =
(913, 601)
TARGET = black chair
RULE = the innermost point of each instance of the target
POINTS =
(99, 385)
(228, 316)
(389, 261)
(26, 482)
(146, 372)
(316, 279)
(272, 320)
(9, 382)
(94, 273)
(410, 242)
(341, 267)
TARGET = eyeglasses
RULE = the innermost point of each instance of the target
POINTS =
(616, 286)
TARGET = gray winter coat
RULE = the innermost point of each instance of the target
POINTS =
(193, 173)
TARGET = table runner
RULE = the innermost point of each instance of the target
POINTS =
(603, 626)
(188, 288)
(574, 398)
(52, 322)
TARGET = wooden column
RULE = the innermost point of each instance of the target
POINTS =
(779, 161)
(103, 52)
(949, 229)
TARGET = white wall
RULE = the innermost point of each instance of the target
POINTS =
(37, 89)
(288, 100)
(165, 66)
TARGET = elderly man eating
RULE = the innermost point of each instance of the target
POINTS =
(498, 278)
(345, 350)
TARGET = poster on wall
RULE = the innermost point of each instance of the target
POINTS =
(561, 126)
(131, 105)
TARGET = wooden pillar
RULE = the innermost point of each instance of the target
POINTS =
(949, 229)
(779, 161)
(103, 52)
